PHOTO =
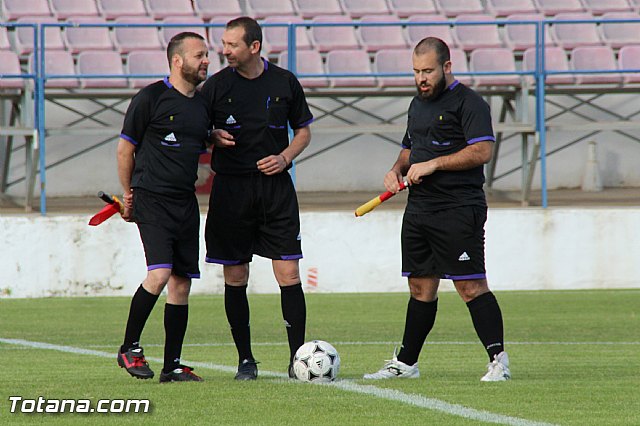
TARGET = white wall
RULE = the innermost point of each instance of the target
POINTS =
(527, 249)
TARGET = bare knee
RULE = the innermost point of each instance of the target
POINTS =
(236, 275)
(156, 280)
(470, 289)
(424, 289)
(178, 290)
(286, 272)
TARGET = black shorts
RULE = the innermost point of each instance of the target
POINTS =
(170, 231)
(252, 214)
(447, 243)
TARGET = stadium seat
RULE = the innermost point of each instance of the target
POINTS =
(23, 37)
(493, 59)
(394, 61)
(460, 64)
(276, 39)
(10, 64)
(553, 7)
(572, 35)
(333, 37)
(594, 58)
(309, 9)
(63, 9)
(350, 61)
(260, 9)
(381, 37)
(598, 7)
(87, 38)
(555, 59)
(453, 8)
(406, 8)
(160, 9)
(208, 9)
(215, 64)
(4, 39)
(112, 9)
(619, 34)
(629, 58)
(167, 32)
(136, 37)
(509, 7)
(15, 9)
(59, 62)
(215, 33)
(472, 37)
(415, 33)
(146, 62)
(101, 62)
(307, 62)
(358, 8)
(522, 36)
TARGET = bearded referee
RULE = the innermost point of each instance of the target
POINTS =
(165, 130)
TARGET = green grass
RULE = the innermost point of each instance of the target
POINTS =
(574, 356)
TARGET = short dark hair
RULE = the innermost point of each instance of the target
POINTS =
(175, 44)
(433, 43)
(252, 30)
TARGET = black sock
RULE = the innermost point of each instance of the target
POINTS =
(175, 327)
(141, 306)
(487, 320)
(236, 306)
(420, 319)
(294, 312)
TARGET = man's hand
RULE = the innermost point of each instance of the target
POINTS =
(222, 139)
(392, 181)
(273, 164)
(419, 170)
(127, 199)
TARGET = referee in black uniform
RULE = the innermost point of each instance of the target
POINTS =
(448, 140)
(253, 207)
(165, 130)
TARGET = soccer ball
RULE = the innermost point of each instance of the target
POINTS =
(316, 361)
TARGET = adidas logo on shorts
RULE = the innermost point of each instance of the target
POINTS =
(464, 256)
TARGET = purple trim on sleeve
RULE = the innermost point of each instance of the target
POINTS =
(266, 64)
(222, 261)
(291, 256)
(196, 276)
(454, 84)
(128, 139)
(159, 266)
(305, 123)
(480, 139)
(465, 277)
(167, 82)
(406, 274)
(405, 146)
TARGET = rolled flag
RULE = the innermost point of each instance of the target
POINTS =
(372, 204)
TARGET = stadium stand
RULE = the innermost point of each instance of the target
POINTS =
(81, 38)
(215, 33)
(381, 37)
(10, 64)
(522, 36)
(309, 9)
(358, 8)
(415, 33)
(453, 8)
(326, 38)
(460, 64)
(572, 35)
(393, 61)
(406, 8)
(64, 9)
(594, 58)
(4, 39)
(510, 7)
(276, 39)
(619, 34)
(59, 62)
(494, 60)
(599, 7)
(104, 63)
(113, 9)
(136, 37)
(260, 9)
(161, 9)
(307, 62)
(23, 37)
(472, 37)
(553, 7)
(349, 61)
(14, 9)
(555, 60)
(167, 32)
(146, 62)
(629, 59)
(208, 9)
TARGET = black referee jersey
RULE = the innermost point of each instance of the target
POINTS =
(256, 112)
(169, 131)
(457, 118)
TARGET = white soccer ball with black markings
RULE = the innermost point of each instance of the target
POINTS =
(316, 361)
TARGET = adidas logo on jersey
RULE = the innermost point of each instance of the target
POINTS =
(464, 256)
(170, 137)
(230, 120)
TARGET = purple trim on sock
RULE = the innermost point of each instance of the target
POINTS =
(128, 139)
(291, 256)
(222, 261)
(167, 82)
(465, 277)
(480, 139)
(454, 84)
(159, 266)
(406, 274)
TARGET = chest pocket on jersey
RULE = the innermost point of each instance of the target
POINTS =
(172, 131)
(277, 112)
(445, 130)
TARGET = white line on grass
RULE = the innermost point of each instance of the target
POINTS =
(347, 385)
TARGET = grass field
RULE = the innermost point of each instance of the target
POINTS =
(575, 359)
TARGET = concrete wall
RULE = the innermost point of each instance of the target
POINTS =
(527, 249)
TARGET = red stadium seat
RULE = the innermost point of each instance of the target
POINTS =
(523, 36)
(394, 61)
(208, 9)
(349, 62)
(358, 8)
(406, 8)
(619, 34)
(87, 38)
(333, 37)
(629, 58)
(453, 8)
(160, 9)
(260, 9)
(4, 39)
(147, 62)
(112, 9)
(416, 33)
(276, 39)
(137, 37)
(64, 9)
(311, 8)
(553, 7)
(555, 59)
(460, 64)
(14, 9)
(493, 59)
(598, 7)
(472, 37)
(509, 7)
(101, 62)
(571, 35)
(166, 33)
(594, 58)
(59, 62)
(381, 37)
(307, 62)
(10, 64)
(23, 37)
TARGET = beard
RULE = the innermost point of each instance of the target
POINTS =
(436, 90)
(191, 74)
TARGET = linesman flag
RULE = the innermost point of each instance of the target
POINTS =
(114, 205)
(375, 202)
